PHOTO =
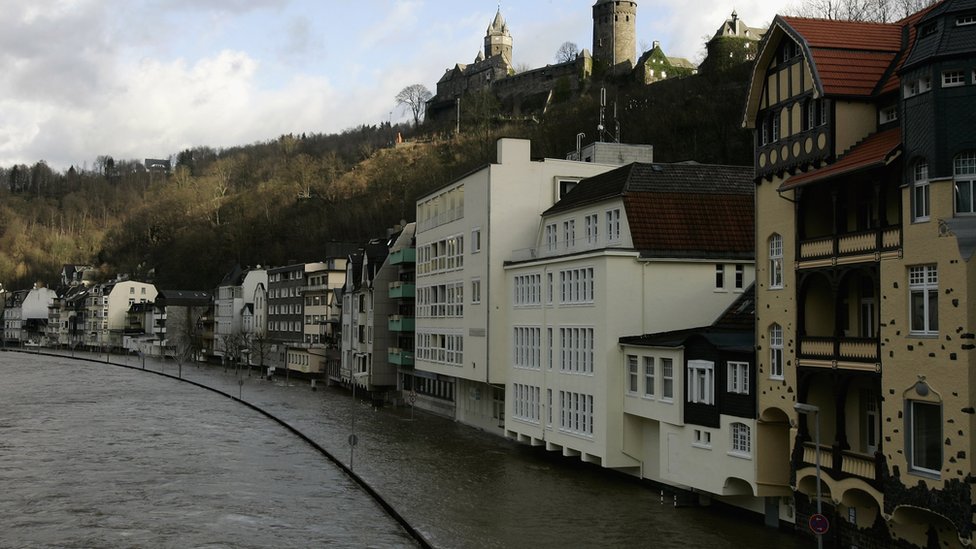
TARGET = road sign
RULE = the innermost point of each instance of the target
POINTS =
(412, 397)
(353, 440)
(819, 524)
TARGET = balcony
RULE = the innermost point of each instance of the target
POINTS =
(849, 353)
(841, 464)
(845, 249)
(400, 357)
(406, 255)
(402, 290)
(400, 323)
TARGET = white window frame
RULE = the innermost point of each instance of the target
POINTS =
(923, 280)
(920, 192)
(910, 439)
(552, 235)
(701, 382)
(720, 277)
(650, 367)
(740, 440)
(475, 240)
(613, 225)
(964, 177)
(776, 261)
(475, 291)
(740, 276)
(633, 375)
(888, 114)
(569, 233)
(953, 78)
(964, 20)
(702, 439)
(592, 223)
(776, 369)
(737, 379)
(667, 379)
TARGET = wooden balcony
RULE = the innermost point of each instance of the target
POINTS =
(840, 464)
(860, 247)
(849, 353)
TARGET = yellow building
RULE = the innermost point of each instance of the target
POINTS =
(865, 164)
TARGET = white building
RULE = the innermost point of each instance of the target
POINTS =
(108, 306)
(641, 249)
(234, 305)
(465, 231)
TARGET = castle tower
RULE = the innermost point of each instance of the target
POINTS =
(498, 41)
(615, 35)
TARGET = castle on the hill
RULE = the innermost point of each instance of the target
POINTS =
(614, 55)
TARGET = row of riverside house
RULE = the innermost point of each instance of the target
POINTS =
(672, 321)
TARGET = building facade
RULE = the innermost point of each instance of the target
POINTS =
(865, 153)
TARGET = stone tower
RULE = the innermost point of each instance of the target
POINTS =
(498, 41)
(615, 35)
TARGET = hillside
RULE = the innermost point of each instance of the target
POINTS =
(287, 199)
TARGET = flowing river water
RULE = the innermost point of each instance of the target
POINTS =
(94, 455)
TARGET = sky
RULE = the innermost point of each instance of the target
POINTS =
(136, 79)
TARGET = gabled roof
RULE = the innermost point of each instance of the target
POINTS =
(875, 151)
(677, 210)
(946, 39)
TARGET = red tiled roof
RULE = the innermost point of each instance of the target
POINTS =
(851, 58)
(875, 151)
(691, 223)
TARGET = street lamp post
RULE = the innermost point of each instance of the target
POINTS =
(811, 410)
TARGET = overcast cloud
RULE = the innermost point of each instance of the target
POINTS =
(148, 78)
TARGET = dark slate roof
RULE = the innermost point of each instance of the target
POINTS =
(733, 331)
(948, 39)
(183, 298)
(356, 261)
(677, 210)
(234, 278)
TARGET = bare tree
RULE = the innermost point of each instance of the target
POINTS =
(567, 52)
(879, 11)
(260, 349)
(183, 351)
(414, 96)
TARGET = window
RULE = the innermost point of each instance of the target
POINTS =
(923, 287)
(569, 233)
(764, 133)
(776, 261)
(925, 436)
(964, 171)
(741, 439)
(613, 224)
(703, 439)
(475, 241)
(526, 402)
(667, 379)
(132, 290)
(920, 192)
(888, 114)
(648, 377)
(775, 131)
(738, 378)
(633, 376)
(549, 407)
(953, 78)
(476, 290)
(592, 221)
(566, 185)
(549, 288)
(551, 237)
(775, 352)
(810, 116)
(963, 20)
(527, 347)
(576, 350)
(576, 413)
(700, 382)
(740, 277)
(823, 111)
(528, 290)
(719, 276)
(576, 286)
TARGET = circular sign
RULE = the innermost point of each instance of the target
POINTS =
(819, 524)
(353, 440)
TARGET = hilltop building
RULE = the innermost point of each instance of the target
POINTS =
(614, 55)
(865, 167)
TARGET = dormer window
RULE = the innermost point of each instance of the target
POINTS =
(951, 79)
(964, 20)
(927, 30)
(888, 114)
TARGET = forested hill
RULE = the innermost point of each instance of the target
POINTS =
(286, 199)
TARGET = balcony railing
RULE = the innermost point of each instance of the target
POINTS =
(400, 357)
(401, 290)
(400, 323)
(850, 248)
(841, 464)
(862, 353)
(406, 255)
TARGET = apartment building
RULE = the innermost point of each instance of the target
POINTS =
(234, 302)
(465, 231)
(865, 162)
(642, 249)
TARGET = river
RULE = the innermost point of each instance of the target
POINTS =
(93, 455)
